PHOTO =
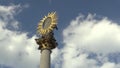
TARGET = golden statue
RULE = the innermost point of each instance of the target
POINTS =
(45, 28)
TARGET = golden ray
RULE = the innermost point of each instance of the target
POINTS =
(52, 25)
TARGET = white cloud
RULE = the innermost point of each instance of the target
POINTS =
(17, 50)
(93, 35)
(108, 65)
(85, 36)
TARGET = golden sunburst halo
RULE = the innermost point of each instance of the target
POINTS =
(47, 24)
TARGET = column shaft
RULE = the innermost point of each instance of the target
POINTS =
(45, 59)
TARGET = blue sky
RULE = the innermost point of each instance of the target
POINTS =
(66, 10)
(88, 33)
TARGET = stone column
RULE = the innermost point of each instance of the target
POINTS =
(45, 58)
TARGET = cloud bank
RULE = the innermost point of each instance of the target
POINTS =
(17, 50)
(91, 43)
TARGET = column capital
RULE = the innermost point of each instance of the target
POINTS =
(46, 42)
